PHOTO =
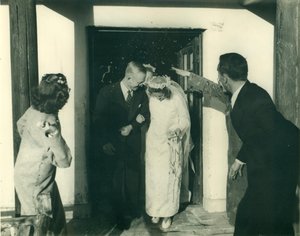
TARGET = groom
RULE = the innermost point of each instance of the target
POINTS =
(121, 110)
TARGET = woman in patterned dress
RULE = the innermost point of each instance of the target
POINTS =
(43, 149)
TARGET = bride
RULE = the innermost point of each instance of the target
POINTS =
(167, 148)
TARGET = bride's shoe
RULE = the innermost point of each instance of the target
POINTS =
(155, 220)
(166, 223)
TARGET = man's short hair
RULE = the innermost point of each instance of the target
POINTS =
(134, 66)
(234, 65)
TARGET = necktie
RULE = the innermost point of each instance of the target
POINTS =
(129, 97)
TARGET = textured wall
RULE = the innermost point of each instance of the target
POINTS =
(288, 65)
(288, 59)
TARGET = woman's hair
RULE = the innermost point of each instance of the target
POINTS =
(51, 94)
(165, 91)
(234, 65)
(159, 84)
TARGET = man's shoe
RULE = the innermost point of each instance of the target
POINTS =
(124, 223)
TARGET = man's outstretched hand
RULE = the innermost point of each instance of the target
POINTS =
(181, 72)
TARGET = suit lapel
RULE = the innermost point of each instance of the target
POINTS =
(135, 103)
(118, 94)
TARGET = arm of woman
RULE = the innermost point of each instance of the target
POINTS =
(62, 155)
(49, 133)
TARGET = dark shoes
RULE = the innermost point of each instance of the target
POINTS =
(124, 222)
(124, 219)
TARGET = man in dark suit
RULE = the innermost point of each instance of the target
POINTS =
(270, 150)
(120, 112)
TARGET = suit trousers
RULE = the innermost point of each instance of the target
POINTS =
(127, 182)
(266, 209)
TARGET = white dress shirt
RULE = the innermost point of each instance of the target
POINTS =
(236, 94)
(125, 90)
(233, 100)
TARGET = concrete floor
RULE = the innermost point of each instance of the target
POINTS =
(192, 221)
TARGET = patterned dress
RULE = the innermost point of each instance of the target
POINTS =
(42, 149)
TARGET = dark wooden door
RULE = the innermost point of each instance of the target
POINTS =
(190, 59)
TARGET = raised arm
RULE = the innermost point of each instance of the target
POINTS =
(213, 94)
(48, 133)
(61, 153)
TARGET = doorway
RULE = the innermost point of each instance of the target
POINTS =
(110, 49)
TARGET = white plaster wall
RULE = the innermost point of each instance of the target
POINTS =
(226, 31)
(56, 55)
(6, 134)
(81, 16)
(230, 31)
(57, 50)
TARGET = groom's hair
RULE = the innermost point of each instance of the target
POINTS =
(234, 65)
(134, 66)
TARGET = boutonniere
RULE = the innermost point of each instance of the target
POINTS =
(139, 105)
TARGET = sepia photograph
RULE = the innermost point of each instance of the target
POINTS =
(149, 117)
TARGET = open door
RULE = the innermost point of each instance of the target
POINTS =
(110, 49)
(190, 59)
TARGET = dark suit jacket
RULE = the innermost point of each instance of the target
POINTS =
(269, 140)
(112, 113)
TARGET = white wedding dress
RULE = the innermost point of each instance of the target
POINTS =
(164, 158)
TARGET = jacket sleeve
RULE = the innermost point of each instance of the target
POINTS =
(243, 153)
(262, 130)
(101, 118)
(213, 94)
